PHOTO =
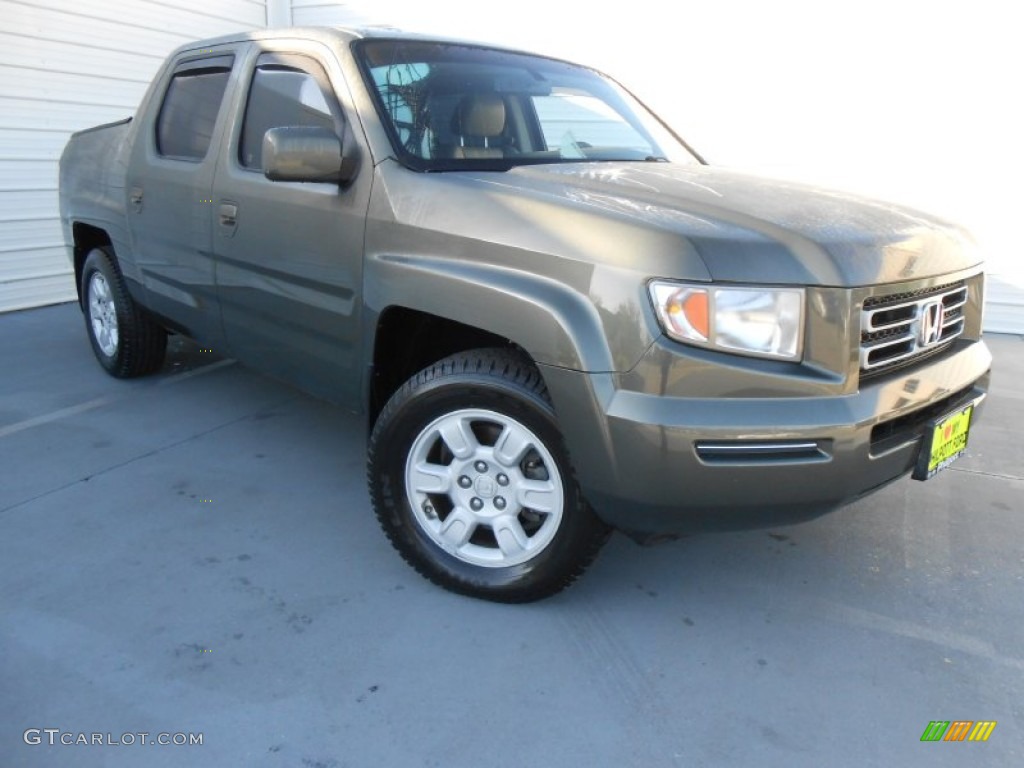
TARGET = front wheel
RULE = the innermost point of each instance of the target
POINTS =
(471, 481)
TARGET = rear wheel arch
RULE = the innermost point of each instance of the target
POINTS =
(86, 238)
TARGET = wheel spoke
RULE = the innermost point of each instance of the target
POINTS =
(458, 527)
(431, 478)
(511, 445)
(538, 495)
(459, 437)
(511, 537)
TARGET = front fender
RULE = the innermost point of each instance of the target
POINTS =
(567, 284)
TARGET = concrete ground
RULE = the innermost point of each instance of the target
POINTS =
(195, 553)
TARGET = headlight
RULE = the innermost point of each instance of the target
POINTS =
(765, 322)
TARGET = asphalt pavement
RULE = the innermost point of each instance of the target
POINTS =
(193, 555)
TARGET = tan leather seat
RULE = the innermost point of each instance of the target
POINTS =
(479, 124)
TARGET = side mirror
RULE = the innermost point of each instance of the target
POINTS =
(303, 153)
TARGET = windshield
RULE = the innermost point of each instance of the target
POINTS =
(452, 107)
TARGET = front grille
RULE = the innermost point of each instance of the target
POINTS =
(902, 327)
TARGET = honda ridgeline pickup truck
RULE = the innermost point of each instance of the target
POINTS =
(555, 316)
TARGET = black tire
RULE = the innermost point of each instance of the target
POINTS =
(494, 393)
(126, 341)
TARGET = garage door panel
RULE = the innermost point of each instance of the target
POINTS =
(313, 15)
(22, 146)
(33, 114)
(40, 262)
(30, 234)
(21, 83)
(40, 175)
(251, 13)
(202, 20)
(22, 294)
(18, 51)
(27, 205)
(46, 27)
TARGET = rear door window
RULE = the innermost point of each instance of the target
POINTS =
(189, 111)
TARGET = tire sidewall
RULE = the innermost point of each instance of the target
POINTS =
(394, 436)
(100, 261)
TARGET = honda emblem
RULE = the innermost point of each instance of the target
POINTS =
(930, 326)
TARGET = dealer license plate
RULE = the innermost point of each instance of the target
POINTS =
(945, 441)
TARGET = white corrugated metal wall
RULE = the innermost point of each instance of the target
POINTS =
(66, 65)
(314, 12)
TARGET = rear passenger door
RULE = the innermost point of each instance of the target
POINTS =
(170, 214)
(289, 254)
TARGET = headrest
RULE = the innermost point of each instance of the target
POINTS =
(481, 115)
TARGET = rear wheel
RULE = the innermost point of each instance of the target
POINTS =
(126, 342)
(472, 483)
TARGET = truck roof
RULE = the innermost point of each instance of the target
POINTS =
(331, 35)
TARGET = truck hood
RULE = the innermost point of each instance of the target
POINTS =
(751, 229)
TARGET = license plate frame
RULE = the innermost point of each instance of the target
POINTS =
(945, 441)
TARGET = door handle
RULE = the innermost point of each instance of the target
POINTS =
(135, 198)
(228, 214)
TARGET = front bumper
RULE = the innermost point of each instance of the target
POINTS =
(653, 464)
